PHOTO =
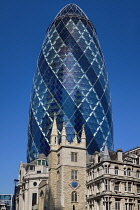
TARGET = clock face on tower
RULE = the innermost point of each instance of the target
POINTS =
(74, 184)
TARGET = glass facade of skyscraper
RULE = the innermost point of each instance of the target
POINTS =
(71, 80)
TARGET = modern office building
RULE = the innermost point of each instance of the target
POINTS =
(71, 80)
(6, 201)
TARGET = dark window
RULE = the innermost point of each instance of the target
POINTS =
(39, 162)
(129, 186)
(35, 183)
(32, 168)
(138, 205)
(34, 199)
(58, 156)
(138, 188)
(117, 204)
(38, 172)
(107, 185)
(73, 174)
(74, 196)
(138, 174)
(116, 187)
(116, 170)
(74, 156)
(106, 169)
(124, 171)
(128, 172)
(43, 162)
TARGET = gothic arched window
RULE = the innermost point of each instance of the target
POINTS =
(74, 196)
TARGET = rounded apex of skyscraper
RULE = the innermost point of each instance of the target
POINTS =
(71, 80)
(71, 9)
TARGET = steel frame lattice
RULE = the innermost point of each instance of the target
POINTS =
(71, 80)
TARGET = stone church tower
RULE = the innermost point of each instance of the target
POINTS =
(67, 172)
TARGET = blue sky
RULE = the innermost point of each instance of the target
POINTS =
(23, 27)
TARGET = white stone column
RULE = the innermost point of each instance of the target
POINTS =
(112, 204)
(26, 196)
(123, 204)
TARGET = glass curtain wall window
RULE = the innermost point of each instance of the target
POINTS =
(70, 80)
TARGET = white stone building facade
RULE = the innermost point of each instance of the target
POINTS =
(69, 179)
(113, 181)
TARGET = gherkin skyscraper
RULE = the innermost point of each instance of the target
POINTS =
(71, 81)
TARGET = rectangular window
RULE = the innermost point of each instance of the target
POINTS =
(107, 186)
(39, 162)
(106, 169)
(98, 187)
(128, 172)
(138, 188)
(58, 156)
(73, 174)
(117, 204)
(32, 168)
(125, 172)
(116, 170)
(74, 156)
(74, 196)
(116, 187)
(44, 162)
(129, 187)
(107, 204)
(34, 199)
(130, 204)
(125, 186)
(138, 205)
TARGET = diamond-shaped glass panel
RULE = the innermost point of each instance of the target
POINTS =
(71, 80)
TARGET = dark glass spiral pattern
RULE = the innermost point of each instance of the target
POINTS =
(71, 80)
